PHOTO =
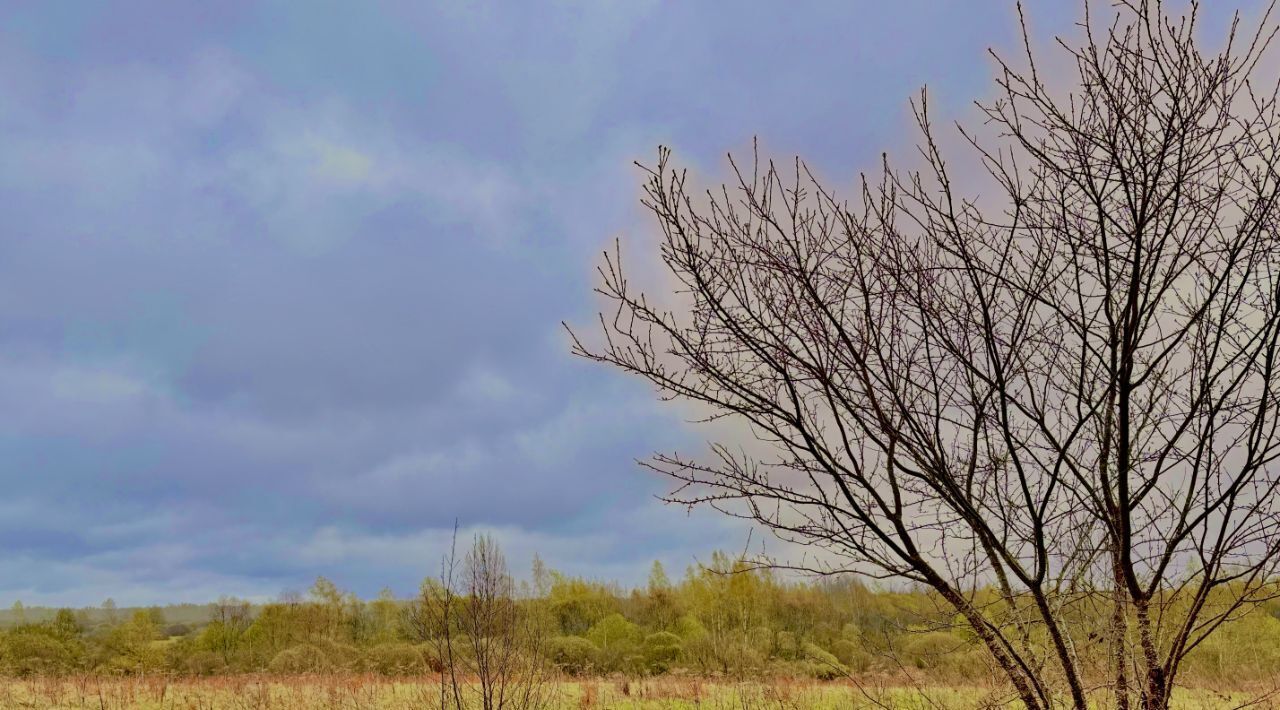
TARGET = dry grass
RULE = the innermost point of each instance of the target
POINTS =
(364, 692)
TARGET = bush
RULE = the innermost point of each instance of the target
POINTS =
(688, 628)
(786, 646)
(618, 641)
(661, 651)
(303, 658)
(30, 652)
(820, 664)
(573, 655)
(932, 649)
(430, 656)
(204, 663)
(852, 655)
(614, 630)
(395, 659)
(174, 630)
(727, 654)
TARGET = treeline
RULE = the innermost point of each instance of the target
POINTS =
(722, 619)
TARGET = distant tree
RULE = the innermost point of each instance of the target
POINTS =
(541, 577)
(577, 604)
(276, 627)
(385, 613)
(222, 636)
(1056, 396)
(660, 606)
(330, 606)
(658, 580)
(109, 610)
(129, 645)
(492, 651)
(66, 626)
(732, 601)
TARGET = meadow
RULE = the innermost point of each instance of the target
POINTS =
(374, 692)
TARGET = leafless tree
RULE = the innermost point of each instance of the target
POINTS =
(1051, 405)
(490, 648)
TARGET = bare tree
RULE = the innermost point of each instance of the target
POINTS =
(490, 648)
(1050, 407)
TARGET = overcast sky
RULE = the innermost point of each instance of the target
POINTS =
(281, 283)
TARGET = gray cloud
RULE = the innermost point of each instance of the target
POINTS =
(280, 288)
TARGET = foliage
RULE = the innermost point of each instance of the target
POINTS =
(573, 655)
(733, 621)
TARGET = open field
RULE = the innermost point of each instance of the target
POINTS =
(367, 692)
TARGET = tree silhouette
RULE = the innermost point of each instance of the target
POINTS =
(1052, 399)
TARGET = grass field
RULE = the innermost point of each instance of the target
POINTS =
(358, 692)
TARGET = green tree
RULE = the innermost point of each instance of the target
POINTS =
(385, 617)
(130, 646)
(66, 626)
(577, 604)
(618, 641)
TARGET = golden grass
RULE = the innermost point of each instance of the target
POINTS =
(364, 692)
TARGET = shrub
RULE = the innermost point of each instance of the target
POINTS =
(852, 655)
(204, 663)
(30, 652)
(618, 641)
(303, 658)
(173, 630)
(932, 649)
(661, 651)
(821, 664)
(786, 646)
(573, 655)
(395, 659)
(688, 627)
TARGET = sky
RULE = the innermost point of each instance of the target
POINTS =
(282, 283)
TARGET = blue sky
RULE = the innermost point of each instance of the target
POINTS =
(281, 283)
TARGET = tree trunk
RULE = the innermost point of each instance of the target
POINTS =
(1119, 631)
(1155, 690)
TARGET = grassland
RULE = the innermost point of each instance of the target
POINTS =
(368, 692)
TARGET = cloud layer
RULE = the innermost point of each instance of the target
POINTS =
(280, 285)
